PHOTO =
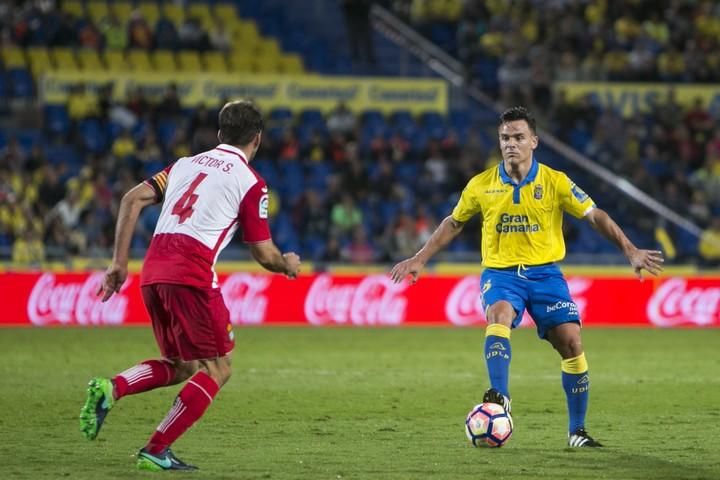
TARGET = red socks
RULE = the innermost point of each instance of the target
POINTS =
(190, 404)
(146, 376)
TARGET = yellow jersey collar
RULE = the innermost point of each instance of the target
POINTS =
(529, 178)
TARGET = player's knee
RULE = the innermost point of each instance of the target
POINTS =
(183, 369)
(501, 312)
(219, 369)
(570, 347)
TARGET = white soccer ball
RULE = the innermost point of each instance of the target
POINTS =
(489, 425)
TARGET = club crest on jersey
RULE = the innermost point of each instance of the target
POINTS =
(538, 192)
(263, 206)
(486, 286)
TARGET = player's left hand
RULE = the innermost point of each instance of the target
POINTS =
(115, 276)
(650, 260)
(412, 266)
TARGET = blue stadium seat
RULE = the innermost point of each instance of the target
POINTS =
(22, 83)
(312, 118)
(281, 115)
(57, 154)
(372, 117)
(57, 121)
(93, 135)
(166, 131)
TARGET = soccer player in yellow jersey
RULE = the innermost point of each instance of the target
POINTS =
(521, 202)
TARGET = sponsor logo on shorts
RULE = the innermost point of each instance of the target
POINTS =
(563, 305)
(486, 286)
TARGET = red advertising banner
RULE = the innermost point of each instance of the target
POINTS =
(359, 300)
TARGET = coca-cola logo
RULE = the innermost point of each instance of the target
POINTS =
(675, 303)
(245, 297)
(464, 304)
(65, 302)
(375, 300)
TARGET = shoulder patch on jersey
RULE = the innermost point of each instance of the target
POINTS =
(263, 206)
(578, 193)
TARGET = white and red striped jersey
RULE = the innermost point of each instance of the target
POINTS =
(206, 199)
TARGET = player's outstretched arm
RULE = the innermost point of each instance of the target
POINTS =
(448, 229)
(131, 204)
(650, 260)
(268, 255)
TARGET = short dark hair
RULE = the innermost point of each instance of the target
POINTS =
(518, 113)
(239, 122)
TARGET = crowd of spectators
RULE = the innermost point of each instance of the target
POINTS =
(341, 192)
(537, 41)
(41, 23)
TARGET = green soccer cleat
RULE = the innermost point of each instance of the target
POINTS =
(165, 460)
(97, 405)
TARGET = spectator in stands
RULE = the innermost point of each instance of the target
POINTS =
(345, 215)
(169, 106)
(709, 246)
(139, 33)
(332, 251)
(357, 20)
(166, 35)
(68, 210)
(202, 130)
(124, 146)
(341, 120)
(149, 154)
(220, 36)
(51, 190)
(359, 250)
(138, 104)
(28, 248)
(192, 36)
(114, 33)
(89, 36)
(82, 103)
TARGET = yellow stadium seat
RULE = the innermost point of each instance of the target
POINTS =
(174, 13)
(115, 61)
(90, 60)
(240, 63)
(215, 62)
(246, 33)
(226, 11)
(139, 61)
(268, 48)
(13, 57)
(266, 65)
(291, 63)
(97, 10)
(164, 61)
(74, 8)
(200, 10)
(150, 11)
(39, 60)
(64, 59)
(122, 10)
(189, 61)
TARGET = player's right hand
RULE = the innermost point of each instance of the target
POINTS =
(412, 266)
(115, 276)
(292, 264)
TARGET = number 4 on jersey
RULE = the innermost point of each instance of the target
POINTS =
(183, 207)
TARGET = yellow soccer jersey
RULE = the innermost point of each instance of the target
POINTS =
(522, 224)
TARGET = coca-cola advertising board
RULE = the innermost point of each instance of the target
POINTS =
(46, 298)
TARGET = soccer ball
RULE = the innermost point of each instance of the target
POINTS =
(489, 425)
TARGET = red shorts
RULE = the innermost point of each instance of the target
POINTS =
(189, 322)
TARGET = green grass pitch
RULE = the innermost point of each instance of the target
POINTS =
(341, 403)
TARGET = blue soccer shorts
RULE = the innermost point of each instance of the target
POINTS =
(542, 290)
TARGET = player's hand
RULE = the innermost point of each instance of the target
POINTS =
(292, 264)
(115, 276)
(650, 260)
(412, 266)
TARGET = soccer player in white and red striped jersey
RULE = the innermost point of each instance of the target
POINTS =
(206, 199)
